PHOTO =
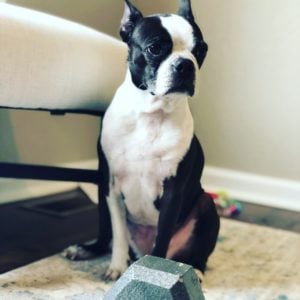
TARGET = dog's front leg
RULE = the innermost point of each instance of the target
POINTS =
(169, 208)
(120, 246)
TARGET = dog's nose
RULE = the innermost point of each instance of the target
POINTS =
(183, 66)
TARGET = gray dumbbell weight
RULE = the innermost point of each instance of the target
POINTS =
(158, 279)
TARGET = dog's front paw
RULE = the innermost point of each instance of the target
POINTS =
(112, 274)
(115, 270)
(199, 274)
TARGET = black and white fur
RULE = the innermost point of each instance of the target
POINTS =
(150, 160)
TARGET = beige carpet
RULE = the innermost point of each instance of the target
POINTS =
(250, 262)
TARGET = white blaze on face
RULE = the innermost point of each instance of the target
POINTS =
(180, 30)
(182, 36)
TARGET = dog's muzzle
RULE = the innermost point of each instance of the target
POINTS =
(183, 77)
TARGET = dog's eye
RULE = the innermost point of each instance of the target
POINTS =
(154, 49)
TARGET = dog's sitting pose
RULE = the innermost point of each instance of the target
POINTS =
(150, 160)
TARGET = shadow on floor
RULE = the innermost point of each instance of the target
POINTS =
(34, 229)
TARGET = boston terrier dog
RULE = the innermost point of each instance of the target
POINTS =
(151, 199)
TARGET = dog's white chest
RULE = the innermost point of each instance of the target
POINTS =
(143, 149)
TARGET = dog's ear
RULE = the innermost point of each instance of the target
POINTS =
(185, 10)
(130, 18)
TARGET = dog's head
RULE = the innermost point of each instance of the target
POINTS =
(165, 51)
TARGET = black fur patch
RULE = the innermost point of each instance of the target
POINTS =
(143, 63)
(201, 47)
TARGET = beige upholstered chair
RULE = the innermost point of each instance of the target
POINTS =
(53, 64)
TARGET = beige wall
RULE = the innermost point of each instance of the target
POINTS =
(100, 14)
(247, 108)
(247, 111)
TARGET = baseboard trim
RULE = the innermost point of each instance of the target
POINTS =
(247, 187)
(254, 188)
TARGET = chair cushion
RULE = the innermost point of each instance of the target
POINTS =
(47, 62)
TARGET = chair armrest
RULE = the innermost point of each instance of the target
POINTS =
(47, 62)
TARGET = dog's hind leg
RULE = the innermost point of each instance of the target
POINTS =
(202, 241)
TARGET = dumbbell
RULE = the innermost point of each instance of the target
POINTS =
(154, 278)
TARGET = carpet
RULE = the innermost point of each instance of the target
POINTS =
(250, 262)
